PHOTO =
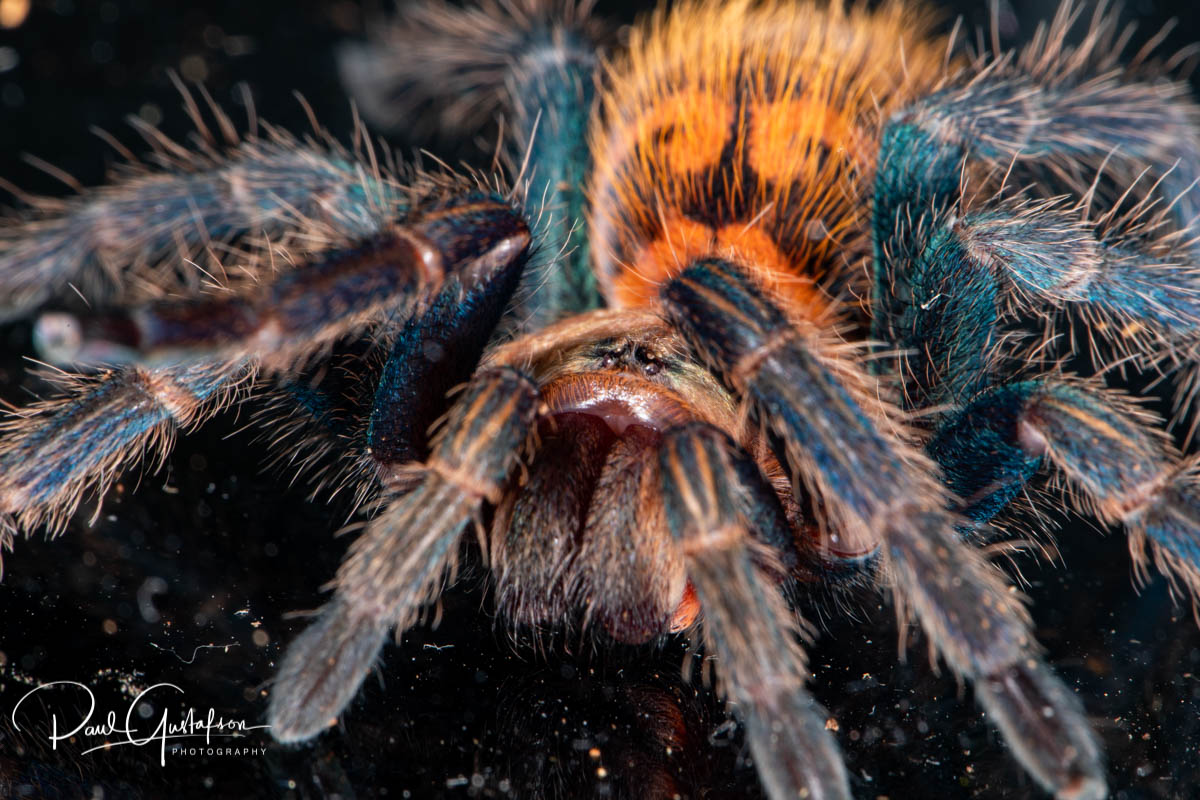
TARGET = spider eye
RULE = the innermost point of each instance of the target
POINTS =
(650, 364)
(612, 356)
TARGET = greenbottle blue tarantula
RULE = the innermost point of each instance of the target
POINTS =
(652, 422)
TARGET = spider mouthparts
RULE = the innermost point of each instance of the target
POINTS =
(620, 400)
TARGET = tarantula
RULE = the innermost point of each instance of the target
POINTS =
(652, 423)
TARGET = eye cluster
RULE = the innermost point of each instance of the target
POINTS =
(630, 356)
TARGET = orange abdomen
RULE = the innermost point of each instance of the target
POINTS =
(749, 132)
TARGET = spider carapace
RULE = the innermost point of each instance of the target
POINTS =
(756, 311)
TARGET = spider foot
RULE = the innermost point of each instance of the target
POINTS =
(313, 686)
(1045, 726)
(746, 623)
(398, 564)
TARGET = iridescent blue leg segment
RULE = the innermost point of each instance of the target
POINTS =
(263, 187)
(975, 272)
(1012, 113)
(980, 452)
(552, 90)
(1119, 465)
(532, 64)
(873, 484)
(399, 562)
(437, 349)
(469, 237)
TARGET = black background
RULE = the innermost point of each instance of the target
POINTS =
(458, 711)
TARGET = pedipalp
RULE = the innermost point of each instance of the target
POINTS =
(399, 562)
(760, 663)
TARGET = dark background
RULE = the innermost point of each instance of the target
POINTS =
(215, 550)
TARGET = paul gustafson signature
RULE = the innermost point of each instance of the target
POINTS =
(187, 726)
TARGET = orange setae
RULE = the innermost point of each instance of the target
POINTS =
(749, 131)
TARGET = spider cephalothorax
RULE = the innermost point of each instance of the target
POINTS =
(665, 415)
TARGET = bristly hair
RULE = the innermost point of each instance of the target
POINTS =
(215, 213)
(465, 58)
(98, 426)
(748, 129)
(1098, 84)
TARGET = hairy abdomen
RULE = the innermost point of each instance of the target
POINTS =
(748, 132)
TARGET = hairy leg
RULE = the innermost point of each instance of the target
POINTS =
(399, 563)
(531, 63)
(1116, 461)
(977, 271)
(56, 451)
(831, 429)
(1056, 104)
(469, 236)
(159, 218)
(436, 350)
(358, 422)
(53, 452)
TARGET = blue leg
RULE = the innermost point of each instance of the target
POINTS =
(552, 92)
(532, 64)
(1118, 465)
(1012, 112)
(974, 272)
(53, 453)
(262, 187)
(56, 451)
(437, 349)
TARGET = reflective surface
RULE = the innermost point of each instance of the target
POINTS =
(189, 575)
